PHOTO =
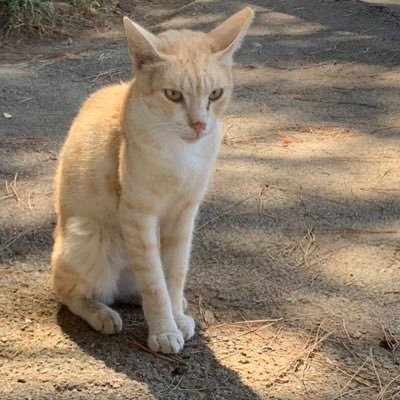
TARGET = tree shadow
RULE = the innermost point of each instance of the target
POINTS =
(196, 375)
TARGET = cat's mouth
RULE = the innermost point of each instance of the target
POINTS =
(191, 139)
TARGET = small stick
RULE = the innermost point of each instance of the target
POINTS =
(345, 331)
(256, 321)
(29, 200)
(17, 237)
(375, 371)
(255, 330)
(180, 380)
(224, 213)
(251, 330)
(351, 379)
(7, 196)
(275, 336)
(382, 393)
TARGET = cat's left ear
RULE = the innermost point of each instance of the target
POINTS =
(228, 36)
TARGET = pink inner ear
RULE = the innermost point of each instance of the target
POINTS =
(142, 44)
(229, 34)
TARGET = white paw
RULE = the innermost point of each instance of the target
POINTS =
(186, 325)
(106, 321)
(166, 342)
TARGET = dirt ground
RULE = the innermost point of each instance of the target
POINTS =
(295, 271)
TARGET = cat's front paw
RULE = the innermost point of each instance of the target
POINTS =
(170, 342)
(186, 325)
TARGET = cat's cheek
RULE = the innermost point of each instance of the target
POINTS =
(216, 110)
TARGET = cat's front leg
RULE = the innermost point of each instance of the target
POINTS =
(140, 230)
(176, 234)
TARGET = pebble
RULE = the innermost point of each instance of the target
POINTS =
(356, 335)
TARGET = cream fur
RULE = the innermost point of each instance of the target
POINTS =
(130, 179)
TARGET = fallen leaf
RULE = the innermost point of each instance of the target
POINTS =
(287, 141)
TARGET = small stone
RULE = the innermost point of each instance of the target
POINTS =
(179, 370)
(7, 115)
(202, 325)
(67, 43)
(209, 317)
(256, 45)
(356, 335)
(62, 8)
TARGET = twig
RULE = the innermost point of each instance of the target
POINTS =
(306, 351)
(256, 321)
(255, 330)
(382, 393)
(274, 337)
(375, 371)
(18, 236)
(345, 330)
(11, 189)
(306, 251)
(359, 378)
(224, 213)
(351, 379)
(7, 196)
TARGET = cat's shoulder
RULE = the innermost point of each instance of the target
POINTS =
(107, 96)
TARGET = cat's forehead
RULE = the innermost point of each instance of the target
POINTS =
(193, 67)
(185, 43)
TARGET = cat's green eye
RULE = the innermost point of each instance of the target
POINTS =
(173, 95)
(215, 94)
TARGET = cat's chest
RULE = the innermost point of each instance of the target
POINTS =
(190, 161)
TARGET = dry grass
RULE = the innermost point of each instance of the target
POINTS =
(46, 17)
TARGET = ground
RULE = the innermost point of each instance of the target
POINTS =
(294, 278)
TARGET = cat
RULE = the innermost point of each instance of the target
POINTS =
(131, 175)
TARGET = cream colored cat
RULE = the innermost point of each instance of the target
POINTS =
(131, 175)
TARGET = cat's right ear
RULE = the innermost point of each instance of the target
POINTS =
(142, 44)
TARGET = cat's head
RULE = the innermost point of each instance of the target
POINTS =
(183, 78)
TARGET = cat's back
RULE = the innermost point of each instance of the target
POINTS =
(88, 165)
(102, 110)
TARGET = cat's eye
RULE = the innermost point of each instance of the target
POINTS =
(215, 94)
(173, 95)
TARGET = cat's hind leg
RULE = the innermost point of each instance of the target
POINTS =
(86, 265)
(99, 316)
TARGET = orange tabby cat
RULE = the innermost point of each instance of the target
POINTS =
(132, 172)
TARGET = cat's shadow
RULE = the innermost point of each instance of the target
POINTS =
(196, 374)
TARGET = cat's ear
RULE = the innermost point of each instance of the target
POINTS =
(142, 44)
(228, 36)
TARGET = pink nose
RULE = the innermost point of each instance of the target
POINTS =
(198, 127)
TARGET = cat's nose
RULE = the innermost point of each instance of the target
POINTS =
(198, 127)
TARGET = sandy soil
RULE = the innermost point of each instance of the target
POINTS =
(296, 262)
